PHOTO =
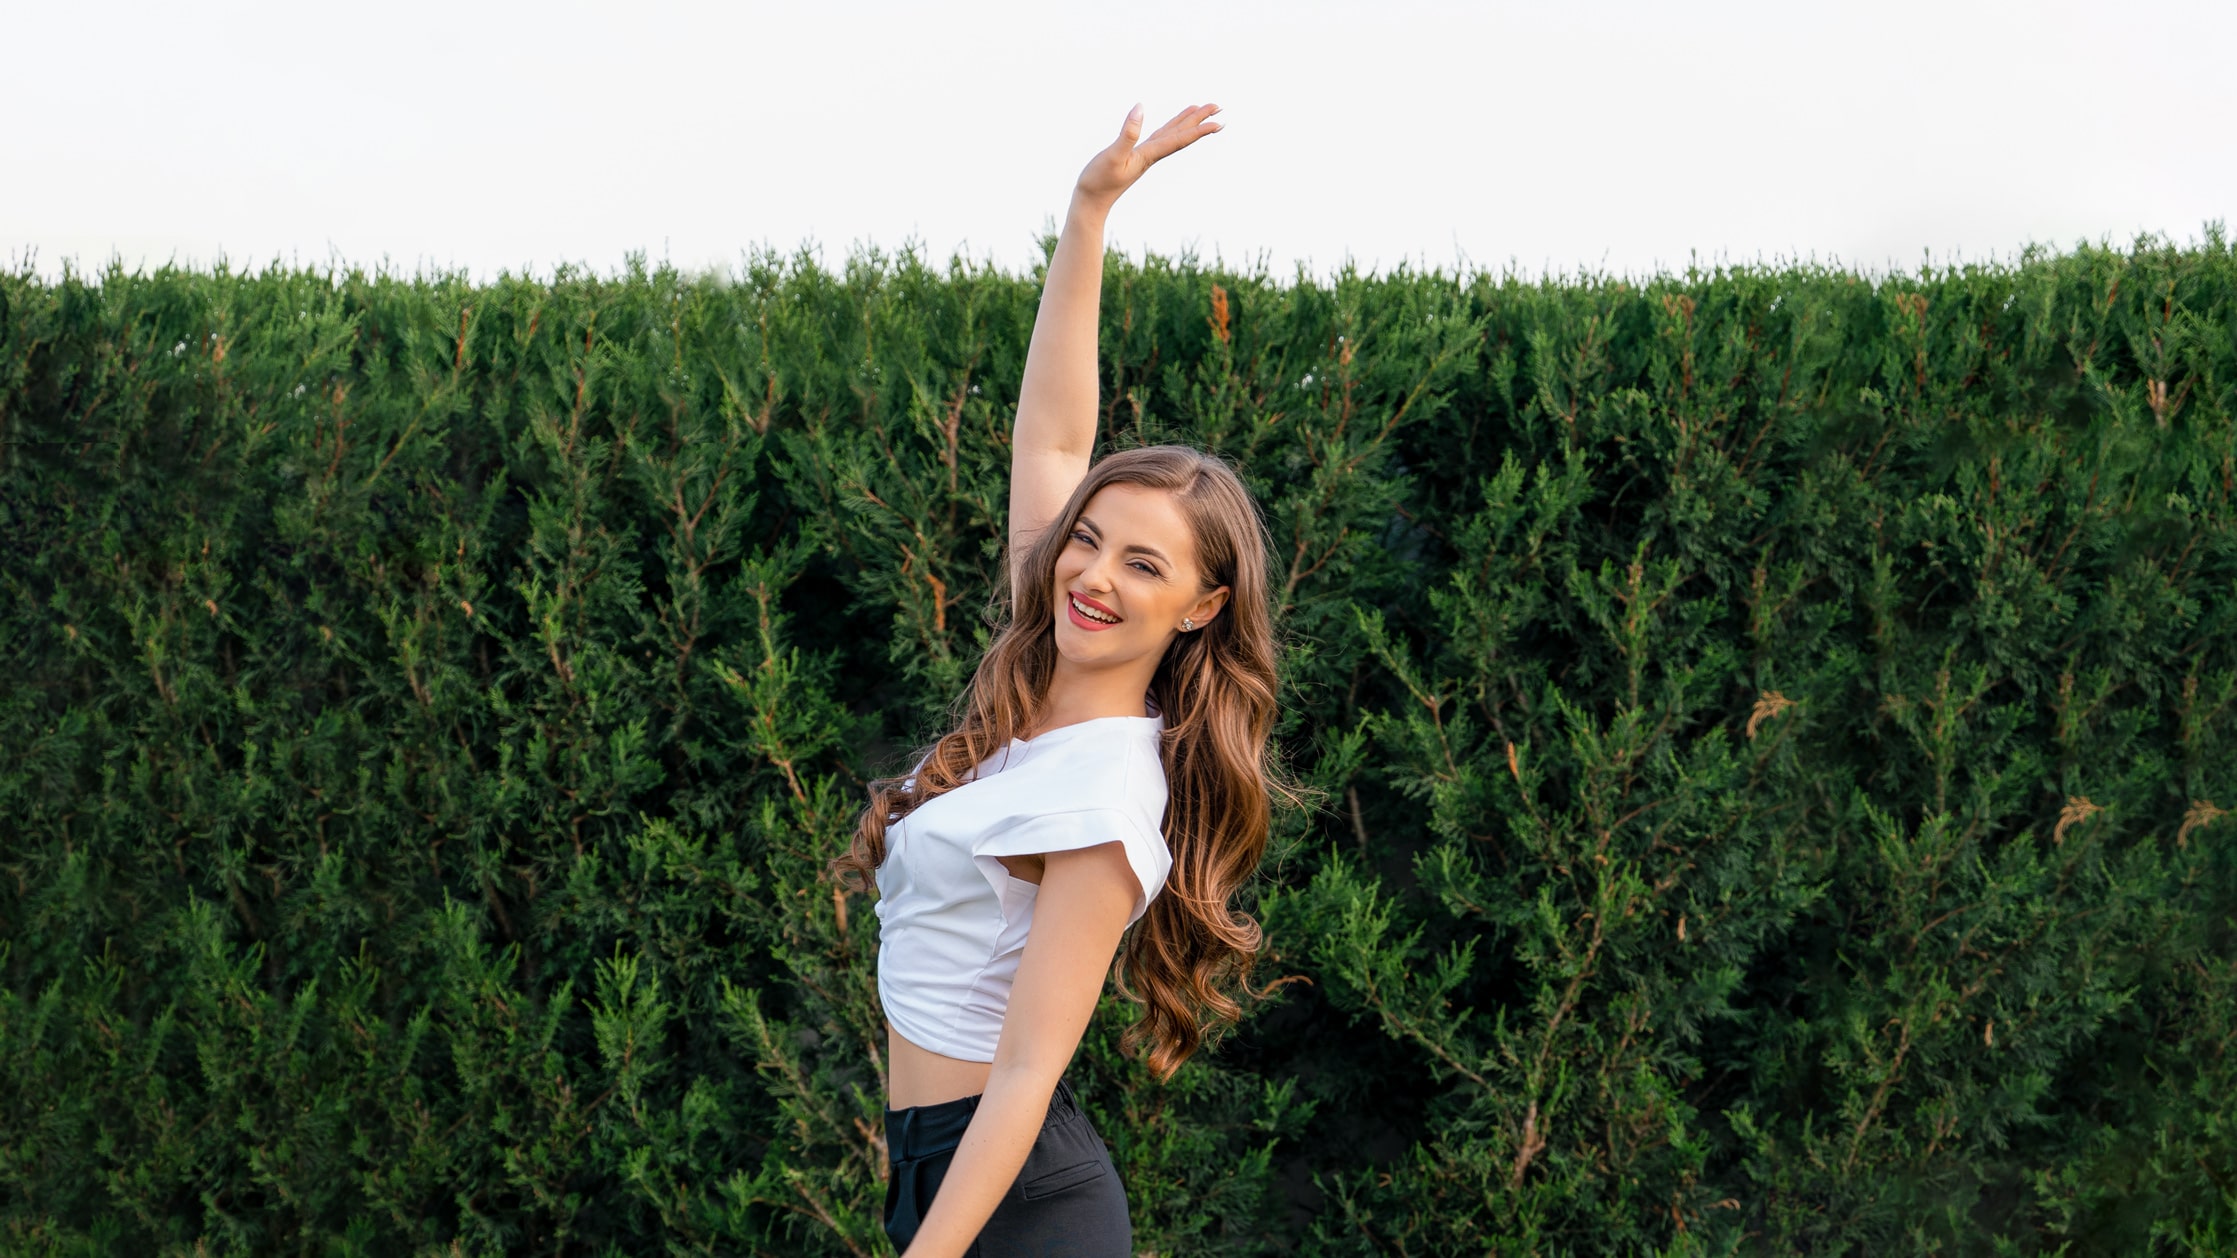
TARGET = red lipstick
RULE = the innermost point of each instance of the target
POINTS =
(1083, 622)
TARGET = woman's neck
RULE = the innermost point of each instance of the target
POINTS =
(1077, 695)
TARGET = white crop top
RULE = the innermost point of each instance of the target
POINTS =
(952, 921)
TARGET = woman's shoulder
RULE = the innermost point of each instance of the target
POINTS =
(1112, 762)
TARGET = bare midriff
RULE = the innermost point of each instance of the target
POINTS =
(916, 1075)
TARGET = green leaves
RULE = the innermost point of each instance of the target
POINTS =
(1770, 736)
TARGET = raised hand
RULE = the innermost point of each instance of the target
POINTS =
(1053, 438)
(1115, 169)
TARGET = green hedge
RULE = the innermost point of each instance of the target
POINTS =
(1774, 730)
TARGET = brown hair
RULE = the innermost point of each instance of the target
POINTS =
(1216, 688)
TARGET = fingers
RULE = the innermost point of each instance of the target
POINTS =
(1183, 129)
(1131, 130)
(1116, 168)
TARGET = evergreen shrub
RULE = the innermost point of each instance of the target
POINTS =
(1772, 729)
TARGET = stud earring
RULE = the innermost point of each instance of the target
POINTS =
(1187, 624)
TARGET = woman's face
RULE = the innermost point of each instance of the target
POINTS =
(1127, 577)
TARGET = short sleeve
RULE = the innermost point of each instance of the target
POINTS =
(1042, 833)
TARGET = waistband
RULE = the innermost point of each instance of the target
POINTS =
(918, 1131)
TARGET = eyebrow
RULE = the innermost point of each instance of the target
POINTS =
(1152, 551)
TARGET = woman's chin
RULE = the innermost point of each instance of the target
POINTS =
(1083, 647)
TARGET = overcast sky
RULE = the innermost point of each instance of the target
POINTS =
(1608, 136)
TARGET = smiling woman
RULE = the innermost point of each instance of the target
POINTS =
(1107, 772)
(1139, 573)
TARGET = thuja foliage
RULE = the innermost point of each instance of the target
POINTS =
(1772, 731)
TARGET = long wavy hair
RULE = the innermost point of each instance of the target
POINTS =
(1216, 688)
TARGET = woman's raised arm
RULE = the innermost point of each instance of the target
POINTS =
(1055, 432)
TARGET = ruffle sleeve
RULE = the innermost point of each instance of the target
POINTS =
(1046, 832)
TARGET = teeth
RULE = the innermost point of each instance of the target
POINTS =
(1091, 613)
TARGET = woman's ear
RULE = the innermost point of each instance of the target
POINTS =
(1208, 606)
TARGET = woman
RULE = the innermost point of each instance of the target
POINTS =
(1107, 770)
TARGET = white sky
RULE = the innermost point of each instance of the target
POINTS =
(1618, 136)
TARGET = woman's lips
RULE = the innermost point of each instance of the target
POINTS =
(1072, 610)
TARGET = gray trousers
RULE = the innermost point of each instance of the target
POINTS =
(1067, 1199)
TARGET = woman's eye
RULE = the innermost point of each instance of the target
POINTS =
(1144, 567)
